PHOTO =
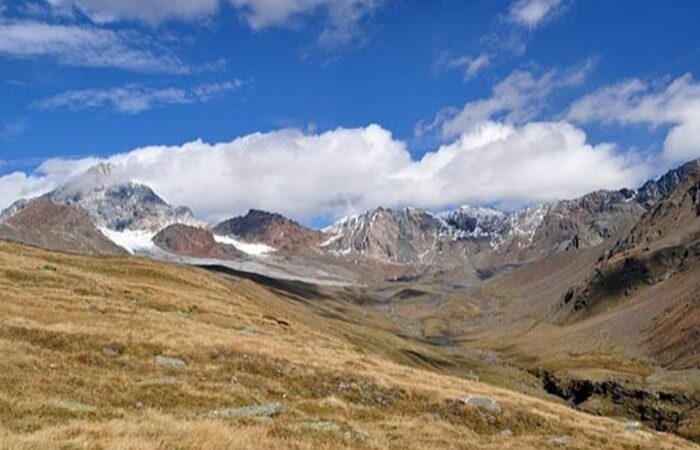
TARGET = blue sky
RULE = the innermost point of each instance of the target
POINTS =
(494, 92)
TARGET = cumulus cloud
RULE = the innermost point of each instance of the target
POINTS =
(347, 170)
(518, 98)
(533, 13)
(85, 46)
(134, 98)
(675, 104)
(17, 185)
(20, 185)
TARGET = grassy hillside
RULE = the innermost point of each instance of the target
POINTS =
(121, 352)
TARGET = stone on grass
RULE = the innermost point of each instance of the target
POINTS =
(561, 441)
(169, 362)
(485, 403)
(269, 410)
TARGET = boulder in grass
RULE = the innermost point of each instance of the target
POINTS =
(270, 410)
(484, 403)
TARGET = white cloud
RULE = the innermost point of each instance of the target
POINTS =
(516, 27)
(471, 66)
(342, 17)
(150, 11)
(675, 104)
(518, 98)
(540, 161)
(134, 98)
(266, 13)
(85, 47)
(17, 185)
(346, 170)
(533, 13)
(20, 185)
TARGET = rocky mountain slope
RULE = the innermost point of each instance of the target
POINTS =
(654, 190)
(45, 224)
(405, 236)
(490, 238)
(109, 202)
(663, 248)
(273, 230)
(196, 242)
(664, 241)
(484, 237)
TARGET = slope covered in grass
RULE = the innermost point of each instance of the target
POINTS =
(122, 352)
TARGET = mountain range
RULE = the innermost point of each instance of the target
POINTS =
(474, 235)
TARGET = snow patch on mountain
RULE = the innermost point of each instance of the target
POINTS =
(254, 249)
(525, 224)
(476, 222)
(133, 241)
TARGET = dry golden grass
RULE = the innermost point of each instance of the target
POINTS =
(78, 337)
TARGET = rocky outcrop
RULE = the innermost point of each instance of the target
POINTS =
(664, 242)
(405, 236)
(476, 222)
(662, 411)
(271, 229)
(654, 190)
(486, 237)
(192, 241)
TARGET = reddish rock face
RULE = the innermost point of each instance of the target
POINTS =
(274, 230)
(191, 241)
(57, 227)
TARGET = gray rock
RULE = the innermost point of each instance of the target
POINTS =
(169, 362)
(484, 403)
(506, 432)
(269, 410)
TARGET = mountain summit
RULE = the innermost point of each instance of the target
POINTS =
(113, 202)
